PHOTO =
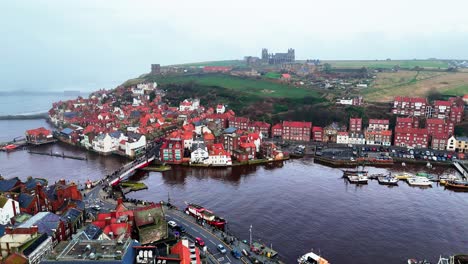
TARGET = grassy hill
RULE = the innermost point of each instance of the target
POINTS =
(388, 64)
(387, 85)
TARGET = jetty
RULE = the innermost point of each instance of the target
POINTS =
(462, 168)
(59, 155)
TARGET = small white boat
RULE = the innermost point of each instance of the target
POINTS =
(388, 180)
(358, 178)
(419, 181)
(312, 258)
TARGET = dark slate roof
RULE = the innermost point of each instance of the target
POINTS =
(25, 200)
(72, 214)
(80, 205)
(230, 130)
(66, 131)
(31, 183)
(115, 134)
(92, 232)
(134, 136)
(6, 185)
(30, 249)
(2, 230)
(70, 114)
(45, 221)
(135, 114)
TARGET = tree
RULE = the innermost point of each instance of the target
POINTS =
(327, 67)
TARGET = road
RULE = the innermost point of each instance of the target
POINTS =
(211, 240)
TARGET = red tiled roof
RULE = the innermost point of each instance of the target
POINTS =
(286, 76)
(404, 120)
(317, 129)
(442, 103)
(38, 131)
(410, 99)
(379, 121)
(208, 136)
(297, 124)
(435, 121)
(411, 130)
(278, 126)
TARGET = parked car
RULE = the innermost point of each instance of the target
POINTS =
(199, 242)
(221, 249)
(236, 254)
(180, 228)
(172, 224)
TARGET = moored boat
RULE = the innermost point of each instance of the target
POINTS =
(388, 180)
(311, 258)
(404, 176)
(352, 172)
(419, 181)
(457, 184)
(358, 178)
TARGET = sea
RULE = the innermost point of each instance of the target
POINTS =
(295, 206)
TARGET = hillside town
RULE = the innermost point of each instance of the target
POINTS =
(123, 121)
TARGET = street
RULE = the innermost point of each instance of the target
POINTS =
(211, 240)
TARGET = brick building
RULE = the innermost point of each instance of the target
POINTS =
(297, 131)
(239, 122)
(355, 124)
(414, 106)
(317, 134)
(378, 124)
(411, 137)
(407, 122)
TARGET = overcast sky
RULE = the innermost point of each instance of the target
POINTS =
(90, 44)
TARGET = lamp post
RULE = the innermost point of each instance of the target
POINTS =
(250, 231)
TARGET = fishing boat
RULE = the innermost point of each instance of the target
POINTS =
(427, 175)
(353, 172)
(388, 180)
(9, 148)
(444, 179)
(358, 178)
(419, 181)
(205, 215)
(311, 258)
(404, 176)
(457, 184)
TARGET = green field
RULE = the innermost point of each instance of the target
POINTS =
(257, 87)
(233, 63)
(407, 64)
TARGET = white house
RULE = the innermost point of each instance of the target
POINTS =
(342, 138)
(199, 152)
(134, 142)
(189, 105)
(104, 144)
(451, 143)
(219, 157)
(9, 208)
(345, 101)
(201, 129)
(220, 109)
(356, 138)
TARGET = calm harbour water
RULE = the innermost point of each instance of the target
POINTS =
(296, 206)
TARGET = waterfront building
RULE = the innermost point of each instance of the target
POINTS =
(378, 137)
(378, 124)
(296, 131)
(356, 138)
(104, 144)
(342, 137)
(414, 106)
(9, 208)
(458, 144)
(439, 141)
(62, 195)
(39, 136)
(407, 122)
(268, 150)
(218, 156)
(199, 152)
(411, 137)
(172, 150)
(317, 134)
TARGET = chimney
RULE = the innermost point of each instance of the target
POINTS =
(62, 181)
(108, 221)
(119, 201)
(14, 207)
(113, 214)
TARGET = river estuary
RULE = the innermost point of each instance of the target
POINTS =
(296, 206)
